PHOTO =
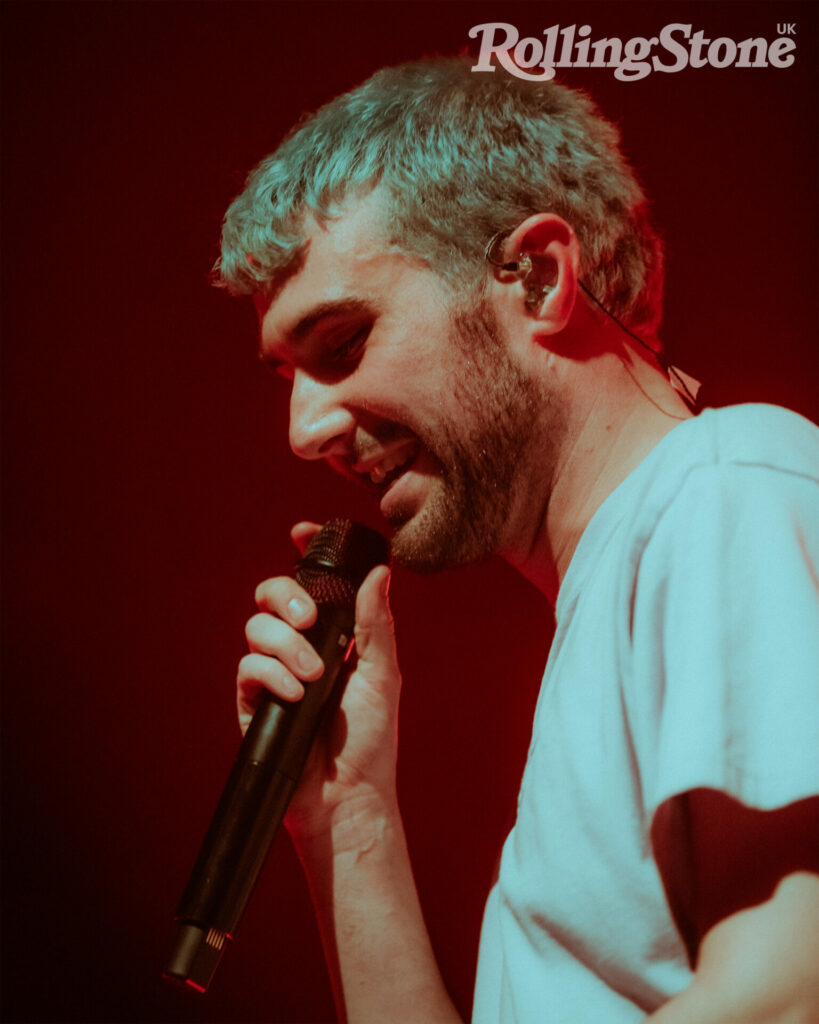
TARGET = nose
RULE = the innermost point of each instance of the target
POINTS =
(320, 426)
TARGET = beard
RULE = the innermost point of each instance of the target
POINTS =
(480, 453)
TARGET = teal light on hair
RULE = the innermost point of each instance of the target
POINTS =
(459, 156)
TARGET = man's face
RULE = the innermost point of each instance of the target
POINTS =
(395, 386)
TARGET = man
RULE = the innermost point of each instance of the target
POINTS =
(457, 275)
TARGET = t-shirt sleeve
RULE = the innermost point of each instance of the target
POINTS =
(724, 627)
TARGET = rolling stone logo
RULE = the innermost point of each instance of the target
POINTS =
(674, 49)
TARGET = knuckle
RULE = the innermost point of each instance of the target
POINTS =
(267, 590)
(249, 630)
(273, 594)
(244, 673)
(264, 592)
(260, 593)
(254, 627)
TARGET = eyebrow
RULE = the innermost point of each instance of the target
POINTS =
(308, 323)
(324, 311)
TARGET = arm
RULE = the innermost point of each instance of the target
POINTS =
(743, 887)
(344, 817)
(757, 966)
(377, 948)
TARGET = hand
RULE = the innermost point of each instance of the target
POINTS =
(352, 765)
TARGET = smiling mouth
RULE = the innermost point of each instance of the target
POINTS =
(383, 474)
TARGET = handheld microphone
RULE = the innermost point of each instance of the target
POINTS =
(271, 758)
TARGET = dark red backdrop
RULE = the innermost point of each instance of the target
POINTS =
(148, 484)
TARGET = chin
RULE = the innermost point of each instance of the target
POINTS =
(440, 538)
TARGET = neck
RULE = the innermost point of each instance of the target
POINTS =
(603, 439)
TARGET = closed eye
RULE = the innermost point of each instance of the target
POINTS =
(351, 348)
(334, 355)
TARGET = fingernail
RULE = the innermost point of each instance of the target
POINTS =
(297, 608)
(309, 662)
(387, 582)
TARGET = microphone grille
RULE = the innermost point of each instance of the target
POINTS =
(338, 558)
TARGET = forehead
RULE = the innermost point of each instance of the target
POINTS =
(351, 256)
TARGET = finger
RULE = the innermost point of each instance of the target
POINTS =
(282, 596)
(257, 673)
(374, 631)
(273, 638)
(302, 533)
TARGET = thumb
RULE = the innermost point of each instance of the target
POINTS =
(302, 533)
(374, 628)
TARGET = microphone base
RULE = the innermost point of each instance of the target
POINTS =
(195, 955)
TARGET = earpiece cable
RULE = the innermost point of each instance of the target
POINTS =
(524, 269)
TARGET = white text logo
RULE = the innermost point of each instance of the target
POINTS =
(674, 49)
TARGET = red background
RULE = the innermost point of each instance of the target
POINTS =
(148, 485)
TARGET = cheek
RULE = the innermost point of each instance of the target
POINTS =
(409, 379)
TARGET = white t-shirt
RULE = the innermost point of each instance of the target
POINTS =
(685, 655)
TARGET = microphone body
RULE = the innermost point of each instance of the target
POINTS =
(271, 758)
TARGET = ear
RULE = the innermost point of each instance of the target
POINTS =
(540, 260)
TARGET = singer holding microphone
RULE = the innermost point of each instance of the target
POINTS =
(457, 275)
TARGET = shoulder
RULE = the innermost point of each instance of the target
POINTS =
(726, 476)
(734, 524)
(764, 436)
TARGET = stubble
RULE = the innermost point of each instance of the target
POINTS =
(482, 452)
